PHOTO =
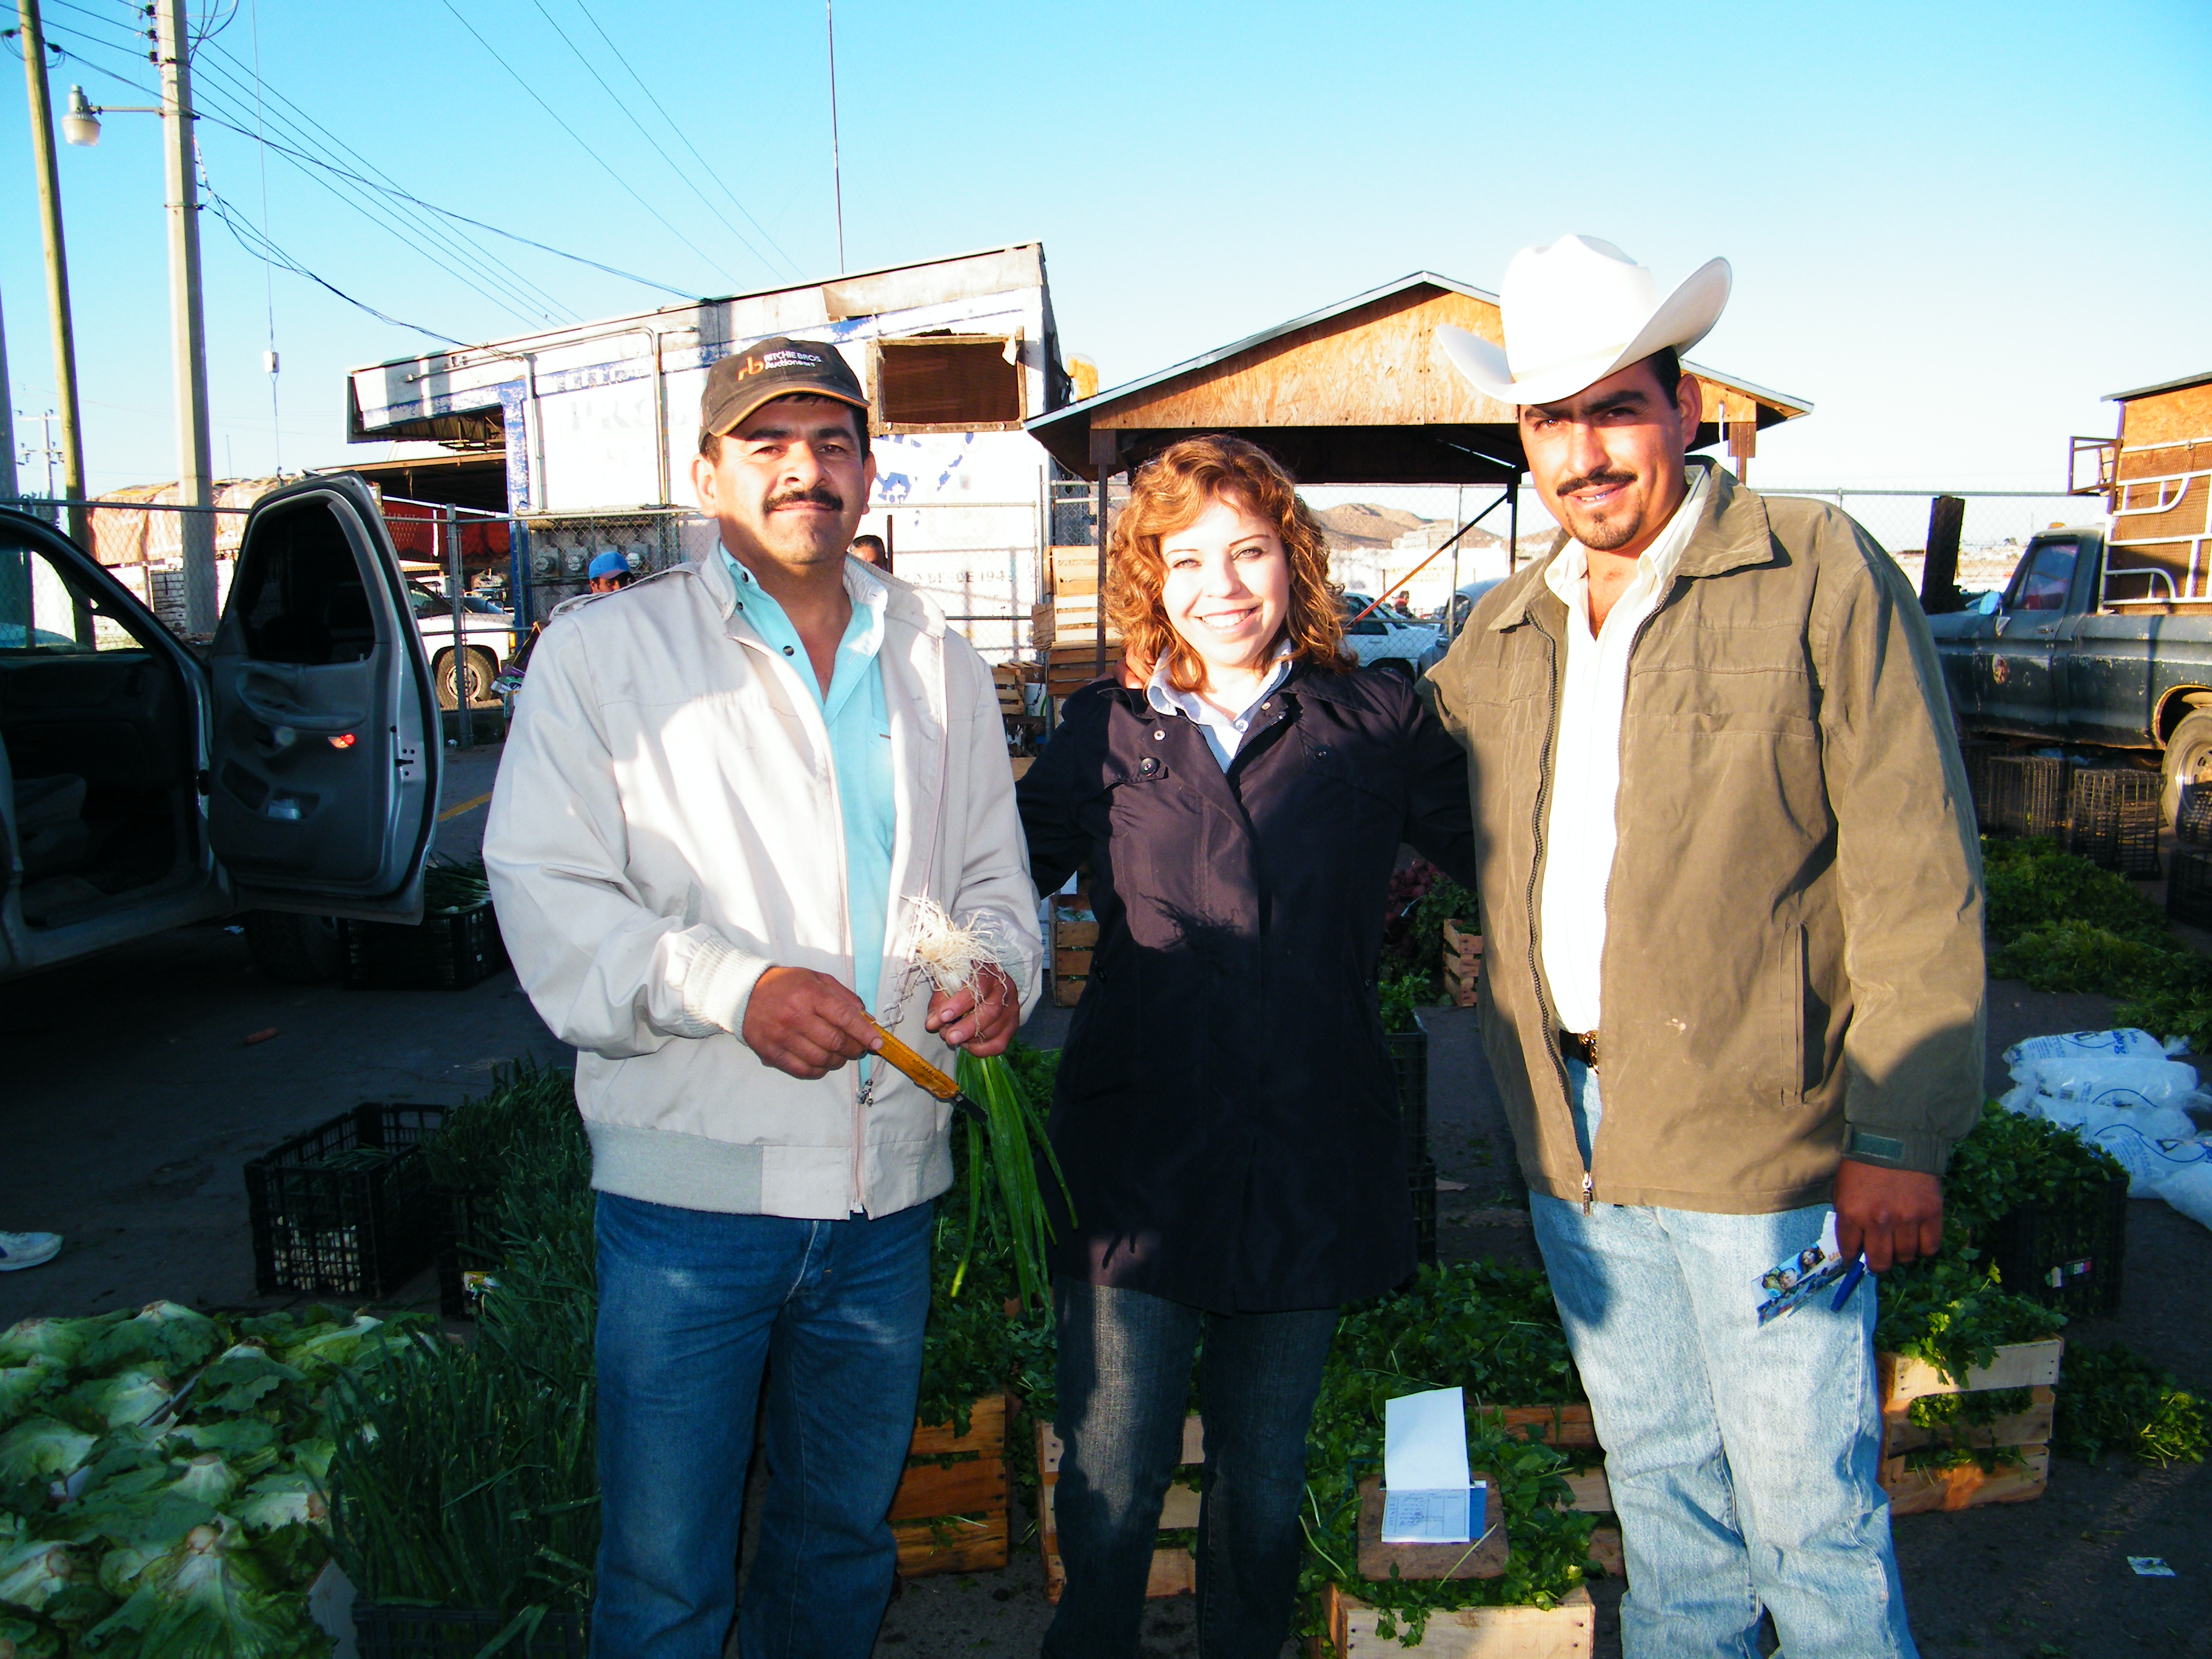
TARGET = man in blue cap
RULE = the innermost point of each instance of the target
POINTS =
(608, 572)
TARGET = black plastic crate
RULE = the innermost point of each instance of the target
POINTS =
(2071, 1260)
(398, 1632)
(1409, 1068)
(451, 950)
(2189, 887)
(330, 1219)
(1423, 1183)
(468, 1249)
(2112, 813)
(1977, 758)
(2028, 794)
(2192, 817)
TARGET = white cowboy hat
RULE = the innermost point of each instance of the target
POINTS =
(1575, 311)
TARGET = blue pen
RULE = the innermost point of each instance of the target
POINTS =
(1850, 1283)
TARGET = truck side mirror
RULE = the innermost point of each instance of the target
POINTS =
(1990, 604)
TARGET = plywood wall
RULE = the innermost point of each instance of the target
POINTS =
(1377, 366)
(2167, 417)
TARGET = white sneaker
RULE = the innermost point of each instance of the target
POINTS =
(19, 1250)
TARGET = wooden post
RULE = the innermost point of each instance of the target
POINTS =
(1939, 576)
(1105, 451)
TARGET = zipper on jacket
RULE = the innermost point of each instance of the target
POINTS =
(1535, 899)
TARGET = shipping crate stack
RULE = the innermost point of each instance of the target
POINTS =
(1462, 963)
(1066, 627)
(2018, 1442)
(950, 1513)
(1074, 937)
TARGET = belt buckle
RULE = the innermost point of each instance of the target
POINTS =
(1580, 1045)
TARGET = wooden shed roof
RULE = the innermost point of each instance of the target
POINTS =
(1354, 393)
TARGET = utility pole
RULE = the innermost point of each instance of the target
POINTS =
(188, 331)
(8, 492)
(836, 172)
(58, 290)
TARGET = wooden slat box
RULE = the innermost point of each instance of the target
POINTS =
(1175, 1570)
(1568, 1630)
(2018, 1365)
(1916, 1492)
(2029, 1428)
(951, 1517)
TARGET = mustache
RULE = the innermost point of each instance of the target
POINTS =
(820, 496)
(1589, 479)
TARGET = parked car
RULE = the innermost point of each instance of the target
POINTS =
(1383, 639)
(487, 639)
(2078, 652)
(289, 772)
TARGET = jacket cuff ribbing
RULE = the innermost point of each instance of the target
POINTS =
(720, 985)
(1922, 1153)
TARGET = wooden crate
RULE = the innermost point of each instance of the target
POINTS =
(951, 1517)
(1568, 1630)
(1464, 943)
(1562, 1425)
(1175, 1570)
(2017, 1365)
(2029, 1428)
(1916, 1492)
(1066, 993)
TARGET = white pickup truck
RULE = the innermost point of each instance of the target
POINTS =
(487, 639)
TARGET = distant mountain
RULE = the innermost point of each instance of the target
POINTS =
(1359, 526)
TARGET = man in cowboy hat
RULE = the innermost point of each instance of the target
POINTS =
(1716, 794)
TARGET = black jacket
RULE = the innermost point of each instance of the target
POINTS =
(1226, 1115)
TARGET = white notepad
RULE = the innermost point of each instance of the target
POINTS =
(1426, 1490)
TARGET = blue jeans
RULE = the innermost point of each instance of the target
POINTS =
(692, 1306)
(1744, 1459)
(1124, 1379)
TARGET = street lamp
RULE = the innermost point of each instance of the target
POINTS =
(80, 121)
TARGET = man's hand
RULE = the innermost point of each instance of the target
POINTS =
(1893, 1215)
(983, 1027)
(806, 1023)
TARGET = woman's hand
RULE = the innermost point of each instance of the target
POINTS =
(983, 1026)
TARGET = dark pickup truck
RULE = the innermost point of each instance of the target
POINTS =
(2074, 653)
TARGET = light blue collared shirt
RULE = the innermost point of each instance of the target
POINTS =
(859, 728)
(1223, 733)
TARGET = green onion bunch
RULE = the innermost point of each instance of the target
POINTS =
(1005, 1197)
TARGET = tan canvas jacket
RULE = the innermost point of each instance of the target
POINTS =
(1793, 954)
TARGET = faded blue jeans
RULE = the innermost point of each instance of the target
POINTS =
(1743, 1459)
(692, 1306)
(1124, 1379)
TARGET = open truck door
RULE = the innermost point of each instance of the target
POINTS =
(326, 752)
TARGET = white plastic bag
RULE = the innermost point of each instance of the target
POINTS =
(2111, 1081)
(2151, 1162)
(2189, 1191)
(2073, 1045)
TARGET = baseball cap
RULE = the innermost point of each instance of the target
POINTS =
(776, 367)
(609, 563)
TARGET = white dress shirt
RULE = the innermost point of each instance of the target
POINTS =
(1582, 832)
(1223, 733)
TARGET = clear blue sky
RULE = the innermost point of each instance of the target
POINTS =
(1954, 228)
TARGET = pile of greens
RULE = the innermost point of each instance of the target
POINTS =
(2113, 1399)
(1402, 998)
(1421, 900)
(464, 1476)
(2009, 1159)
(450, 885)
(162, 1475)
(2057, 921)
(1489, 1329)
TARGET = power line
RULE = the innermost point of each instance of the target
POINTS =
(247, 236)
(631, 117)
(580, 144)
(682, 137)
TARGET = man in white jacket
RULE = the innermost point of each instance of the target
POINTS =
(728, 788)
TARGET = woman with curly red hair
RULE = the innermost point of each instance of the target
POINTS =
(1226, 1115)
